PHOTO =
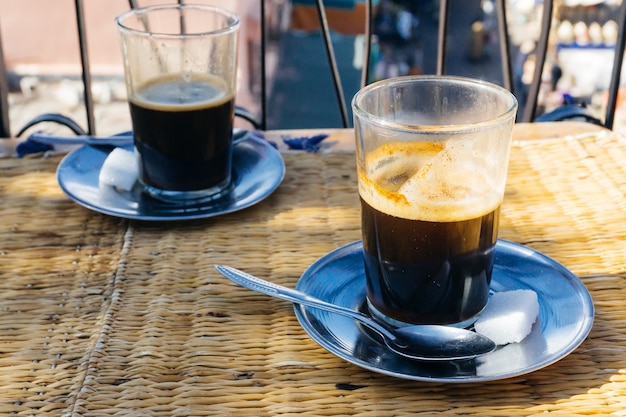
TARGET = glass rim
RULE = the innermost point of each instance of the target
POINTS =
(500, 118)
(232, 24)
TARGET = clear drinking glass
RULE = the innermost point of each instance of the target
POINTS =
(180, 64)
(432, 160)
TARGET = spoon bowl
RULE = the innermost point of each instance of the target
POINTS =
(420, 342)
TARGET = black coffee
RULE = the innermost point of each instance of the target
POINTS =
(183, 132)
(428, 272)
(428, 257)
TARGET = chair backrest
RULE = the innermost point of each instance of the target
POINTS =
(527, 114)
(529, 101)
(5, 124)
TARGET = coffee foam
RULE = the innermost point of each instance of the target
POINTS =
(156, 94)
(435, 181)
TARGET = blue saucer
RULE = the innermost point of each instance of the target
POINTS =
(258, 169)
(564, 321)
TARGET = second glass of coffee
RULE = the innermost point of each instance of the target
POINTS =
(432, 160)
(180, 66)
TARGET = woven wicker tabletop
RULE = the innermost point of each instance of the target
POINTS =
(101, 316)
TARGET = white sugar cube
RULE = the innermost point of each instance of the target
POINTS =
(512, 357)
(509, 316)
(119, 169)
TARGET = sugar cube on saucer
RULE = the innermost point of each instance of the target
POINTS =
(509, 316)
(120, 169)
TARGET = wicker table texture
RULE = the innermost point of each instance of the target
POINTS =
(101, 316)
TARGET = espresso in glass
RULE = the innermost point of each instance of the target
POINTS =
(183, 132)
(180, 68)
(432, 156)
(429, 232)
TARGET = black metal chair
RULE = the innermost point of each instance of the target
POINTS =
(530, 102)
(528, 111)
(260, 121)
(566, 111)
(5, 124)
(90, 129)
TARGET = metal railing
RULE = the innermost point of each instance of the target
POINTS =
(528, 113)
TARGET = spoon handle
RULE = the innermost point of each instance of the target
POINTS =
(120, 139)
(260, 285)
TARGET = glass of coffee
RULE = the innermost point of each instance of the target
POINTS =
(432, 160)
(180, 66)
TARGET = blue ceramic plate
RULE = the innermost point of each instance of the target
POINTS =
(564, 321)
(258, 169)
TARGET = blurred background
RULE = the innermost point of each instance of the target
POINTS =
(42, 54)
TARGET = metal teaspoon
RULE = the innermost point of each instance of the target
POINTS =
(422, 342)
(120, 139)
